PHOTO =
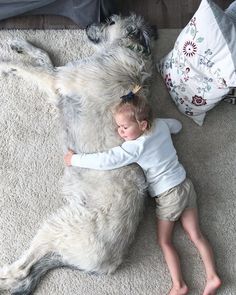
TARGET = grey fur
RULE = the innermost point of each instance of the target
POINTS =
(104, 208)
(27, 285)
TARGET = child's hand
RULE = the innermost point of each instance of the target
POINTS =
(67, 157)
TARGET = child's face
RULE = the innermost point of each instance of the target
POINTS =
(129, 129)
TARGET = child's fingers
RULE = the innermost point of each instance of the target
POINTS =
(66, 158)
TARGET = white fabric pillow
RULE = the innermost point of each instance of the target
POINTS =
(200, 69)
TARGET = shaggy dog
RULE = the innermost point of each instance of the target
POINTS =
(91, 233)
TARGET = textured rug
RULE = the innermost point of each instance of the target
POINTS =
(31, 166)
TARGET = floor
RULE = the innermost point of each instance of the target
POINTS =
(162, 13)
(166, 13)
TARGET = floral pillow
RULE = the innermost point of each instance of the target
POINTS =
(200, 69)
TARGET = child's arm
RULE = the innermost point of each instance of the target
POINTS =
(111, 159)
(174, 125)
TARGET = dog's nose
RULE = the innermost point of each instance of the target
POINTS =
(95, 25)
(93, 32)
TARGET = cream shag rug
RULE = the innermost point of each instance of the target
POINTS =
(31, 166)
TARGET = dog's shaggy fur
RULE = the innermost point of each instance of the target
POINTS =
(94, 230)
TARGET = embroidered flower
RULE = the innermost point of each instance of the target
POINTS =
(189, 113)
(208, 52)
(198, 100)
(168, 82)
(222, 83)
(187, 70)
(186, 76)
(181, 101)
(190, 48)
(193, 21)
(206, 62)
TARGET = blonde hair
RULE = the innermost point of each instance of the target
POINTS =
(136, 107)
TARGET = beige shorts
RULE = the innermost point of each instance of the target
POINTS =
(171, 204)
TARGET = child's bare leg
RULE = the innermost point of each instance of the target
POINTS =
(164, 236)
(189, 220)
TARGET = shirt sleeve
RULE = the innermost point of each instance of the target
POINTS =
(174, 125)
(111, 159)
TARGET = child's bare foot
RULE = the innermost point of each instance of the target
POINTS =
(179, 290)
(212, 285)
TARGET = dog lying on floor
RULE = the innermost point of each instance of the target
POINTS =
(93, 231)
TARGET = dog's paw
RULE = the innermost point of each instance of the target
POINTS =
(18, 45)
(18, 49)
(6, 69)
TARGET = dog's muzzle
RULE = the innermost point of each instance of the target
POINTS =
(94, 32)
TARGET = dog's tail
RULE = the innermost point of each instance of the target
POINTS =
(22, 276)
(26, 286)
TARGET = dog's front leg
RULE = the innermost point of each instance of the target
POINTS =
(39, 56)
(43, 78)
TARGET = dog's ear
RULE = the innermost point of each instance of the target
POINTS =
(146, 35)
(153, 32)
(131, 31)
(144, 40)
(142, 36)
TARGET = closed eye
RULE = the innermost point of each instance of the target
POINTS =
(110, 22)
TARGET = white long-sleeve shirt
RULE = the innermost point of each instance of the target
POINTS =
(153, 151)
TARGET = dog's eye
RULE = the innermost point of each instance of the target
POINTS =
(111, 23)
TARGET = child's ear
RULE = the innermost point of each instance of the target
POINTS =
(143, 125)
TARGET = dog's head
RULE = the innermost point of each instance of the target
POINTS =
(118, 28)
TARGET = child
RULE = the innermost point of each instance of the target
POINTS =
(148, 143)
